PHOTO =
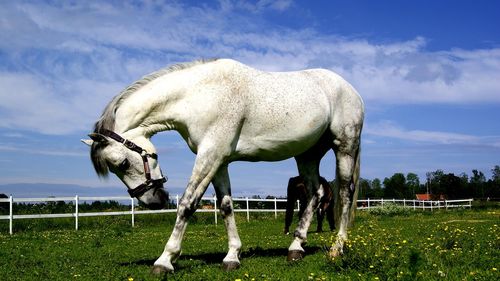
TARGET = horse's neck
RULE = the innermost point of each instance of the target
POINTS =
(162, 104)
(147, 111)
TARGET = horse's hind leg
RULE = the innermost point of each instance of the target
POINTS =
(347, 158)
(308, 166)
(223, 190)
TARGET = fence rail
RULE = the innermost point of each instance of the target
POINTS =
(362, 205)
(415, 204)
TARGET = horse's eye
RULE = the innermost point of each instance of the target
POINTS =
(124, 165)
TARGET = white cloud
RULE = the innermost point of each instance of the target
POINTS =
(257, 7)
(69, 153)
(70, 59)
(389, 129)
(30, 102)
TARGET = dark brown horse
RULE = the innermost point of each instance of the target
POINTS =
(296, 190)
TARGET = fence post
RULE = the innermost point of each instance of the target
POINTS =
(177, 201)
(275, 209)
(248, 210)
(414, 205)
(76, 212)
(132, 211)
(215, 209)
(404, 202)
(11, 215)
(382, 202)
(368, 203)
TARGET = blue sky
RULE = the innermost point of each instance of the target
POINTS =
(428, 72)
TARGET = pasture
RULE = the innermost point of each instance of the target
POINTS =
(439, 245)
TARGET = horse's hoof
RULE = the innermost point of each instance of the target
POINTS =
(230, 265)
(295, 255)
(335, 252)
(160, 270)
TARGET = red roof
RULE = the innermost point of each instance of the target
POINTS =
(424, 196)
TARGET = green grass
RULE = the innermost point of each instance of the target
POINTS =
(452, 245)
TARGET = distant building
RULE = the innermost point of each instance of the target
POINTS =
(423, 197)
(427, 197)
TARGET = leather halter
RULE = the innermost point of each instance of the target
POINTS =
(149, 183)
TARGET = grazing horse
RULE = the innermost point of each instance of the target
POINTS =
(296, 190)
(227, 111)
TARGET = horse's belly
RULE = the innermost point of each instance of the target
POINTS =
(262, 153)
(276, 146)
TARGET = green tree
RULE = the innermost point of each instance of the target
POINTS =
(451, 185)
(395, 186)
(496, 174)
(477, 182)
(376, 190)
(494, 184)
(464, 186)
(434, 182)
(364, 188)
(412, 184)
(4, 205)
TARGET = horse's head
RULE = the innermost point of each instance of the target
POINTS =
(133, 161)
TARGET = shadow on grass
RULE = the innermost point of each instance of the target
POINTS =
(216, 258)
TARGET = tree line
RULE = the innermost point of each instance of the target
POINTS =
(436, 183)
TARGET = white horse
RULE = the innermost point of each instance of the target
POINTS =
(226, 112)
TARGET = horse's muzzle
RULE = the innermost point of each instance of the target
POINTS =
(160, 196)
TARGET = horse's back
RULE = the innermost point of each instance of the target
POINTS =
(288, 112)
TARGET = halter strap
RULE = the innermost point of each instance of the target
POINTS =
(149, 183)
(130, 145)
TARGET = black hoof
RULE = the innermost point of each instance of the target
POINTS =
(230, 265)
(295, 255)
(160, 270)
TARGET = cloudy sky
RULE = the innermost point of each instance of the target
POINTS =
(428, 71)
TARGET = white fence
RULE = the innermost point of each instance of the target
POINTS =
(415, 204)
(244, 207)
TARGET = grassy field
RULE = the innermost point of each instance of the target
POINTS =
(453, 245)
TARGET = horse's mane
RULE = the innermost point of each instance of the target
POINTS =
(108, 117)
(107, 120)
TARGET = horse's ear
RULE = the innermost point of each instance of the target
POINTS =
(98, 137)
(87, 142)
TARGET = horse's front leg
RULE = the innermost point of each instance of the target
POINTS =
(204, 169)
(223, 189)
